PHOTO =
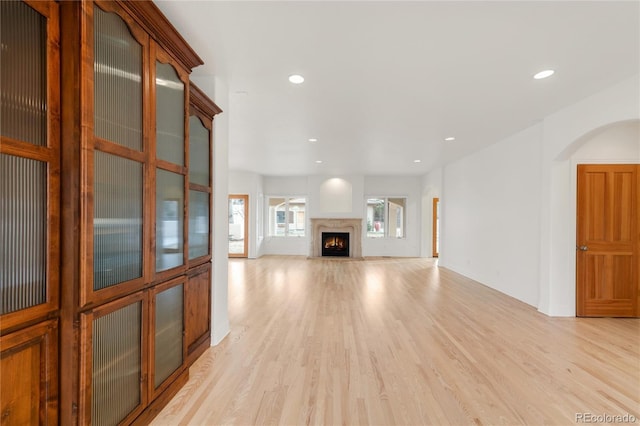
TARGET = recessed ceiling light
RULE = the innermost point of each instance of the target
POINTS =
(450, 138)
(313, 140)
(318, 161)
(417, 161)
(296, 79)
(543, 74)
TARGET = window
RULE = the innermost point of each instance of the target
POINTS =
(386, 217)
(287, 216)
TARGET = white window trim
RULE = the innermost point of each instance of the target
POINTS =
(386, 216)
(267, 218)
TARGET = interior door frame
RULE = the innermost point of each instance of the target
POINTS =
(244, 197)
(435, 228)
(576, 167)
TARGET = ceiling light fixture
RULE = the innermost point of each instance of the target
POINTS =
(543, 74)
(318, 161)
(450, 138)
(417, 161)
(313, 140)
(296, 78)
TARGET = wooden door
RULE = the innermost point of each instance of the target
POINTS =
(238, 225)
(435, 235)
(607, 244)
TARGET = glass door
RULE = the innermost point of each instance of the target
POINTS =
(436, 228)
(238, 225)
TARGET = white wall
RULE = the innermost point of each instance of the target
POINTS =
(508, 212)
(349, 194)
(336, 197)
(564, 132)
(217, 90)
(616, 143)
(490, 211)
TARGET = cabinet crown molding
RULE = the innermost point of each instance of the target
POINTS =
(147, 14)
(202, 102)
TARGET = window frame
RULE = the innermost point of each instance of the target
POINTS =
(287, 214)
(387, 228)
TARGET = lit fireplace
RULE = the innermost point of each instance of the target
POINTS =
(335, 244)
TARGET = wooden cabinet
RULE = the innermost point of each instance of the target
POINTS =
(28, 383)
(198, 312)
(106, 279)
(113, 357)
(29, 162)
(29, 211)
(200, 160)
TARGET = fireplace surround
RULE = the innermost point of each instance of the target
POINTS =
(335, 244)
(351, 226)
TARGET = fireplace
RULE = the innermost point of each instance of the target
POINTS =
(335, 244)
(350, 226)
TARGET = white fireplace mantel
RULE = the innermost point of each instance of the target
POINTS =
(352, 226)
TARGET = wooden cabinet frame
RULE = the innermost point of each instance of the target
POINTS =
(153, 391)
(160, 55)
(49, 154)
(43, 338)
(86, 345)
(91, 143)
(61, 328)
(205, 110)
(197, 312)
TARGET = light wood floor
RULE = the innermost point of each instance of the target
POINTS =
(400, 342)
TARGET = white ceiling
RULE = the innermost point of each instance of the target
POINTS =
(386, 82)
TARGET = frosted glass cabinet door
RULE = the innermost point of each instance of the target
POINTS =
(199, 219)
(117, 224)
(116, 364)
(169, 220)
(199, 165)
(29, 161)
(117, 81)
(169, 328)
(170, 107)
(118, 175)
(23, 76)
(23, 219)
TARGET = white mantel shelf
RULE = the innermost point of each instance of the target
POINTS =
(350, 225)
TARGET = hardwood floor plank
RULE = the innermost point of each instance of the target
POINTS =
(400, 342)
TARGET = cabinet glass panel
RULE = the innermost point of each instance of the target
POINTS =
(23, 230)
(169, 220)
(169, 333)
(117, 81)
(23, 73)
(170, 109)
(116, 365)
(117, 224)
(199, 206)
(199, 167)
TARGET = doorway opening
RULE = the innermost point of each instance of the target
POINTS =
(435, 235)
(238, 225)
